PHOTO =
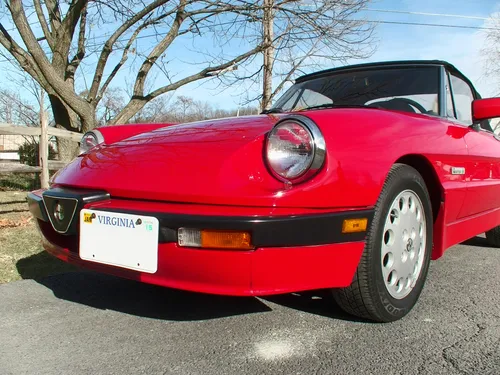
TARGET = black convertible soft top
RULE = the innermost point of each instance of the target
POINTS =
(386, 64)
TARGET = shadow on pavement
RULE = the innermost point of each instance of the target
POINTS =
(108, 292)
(317, 302)
(42, 265)
(131, 297)
(477, 241)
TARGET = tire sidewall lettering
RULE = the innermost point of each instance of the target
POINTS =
(392, 306)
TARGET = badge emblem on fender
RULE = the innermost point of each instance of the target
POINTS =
(457, 170)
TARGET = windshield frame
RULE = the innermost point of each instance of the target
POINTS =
(441, 89)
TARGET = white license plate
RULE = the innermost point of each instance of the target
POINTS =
(117, 239)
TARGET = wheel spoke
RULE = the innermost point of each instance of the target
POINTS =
(403, 242)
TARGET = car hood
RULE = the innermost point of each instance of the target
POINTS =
(213, 162)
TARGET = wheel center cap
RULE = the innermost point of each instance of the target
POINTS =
(409, 245)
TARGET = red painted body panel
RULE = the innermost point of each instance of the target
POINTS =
(206, 209)
(115, 133)
(261, 272)
(220, 161)
(482, 173)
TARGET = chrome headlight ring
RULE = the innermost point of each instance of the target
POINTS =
(295, 149)
(90, 140)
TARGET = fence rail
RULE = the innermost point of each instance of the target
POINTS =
(43, 132)
(8, 129)
(54, 165)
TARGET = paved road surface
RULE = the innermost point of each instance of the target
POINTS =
(85, 323)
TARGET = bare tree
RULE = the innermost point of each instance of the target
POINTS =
(18, 108)
(55, 57)
(186, 109)
(55, 37)
(157, 110)
(110, 105)
(490, 51)
(304, 35)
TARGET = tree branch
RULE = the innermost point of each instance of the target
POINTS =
(295, 66)
(108, 46)
(80, 54)
(158, 50)
(64, 35)
(205, 72)
(43, 24)
(54, 13)
(121, 62)
(24, 59)
(61, 88)
(138, 102)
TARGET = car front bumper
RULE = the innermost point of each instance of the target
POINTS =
(295, 250)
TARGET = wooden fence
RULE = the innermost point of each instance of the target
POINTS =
(43, 132)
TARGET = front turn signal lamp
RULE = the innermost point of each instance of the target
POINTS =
(214, 239)
(354, 225)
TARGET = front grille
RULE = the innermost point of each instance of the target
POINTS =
(60, 211)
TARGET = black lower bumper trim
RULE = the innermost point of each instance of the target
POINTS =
(35, 205)
(267, 231)
(275, 231)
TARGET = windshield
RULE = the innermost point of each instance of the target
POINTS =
(412, 89)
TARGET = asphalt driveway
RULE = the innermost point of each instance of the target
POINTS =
(85, 323)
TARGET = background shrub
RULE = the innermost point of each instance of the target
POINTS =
(28, 153)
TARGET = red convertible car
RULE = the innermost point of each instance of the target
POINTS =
(353, 181)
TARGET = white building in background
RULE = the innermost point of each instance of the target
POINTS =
(9, 146)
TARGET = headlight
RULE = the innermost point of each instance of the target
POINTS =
(295, 149)
(90, 139)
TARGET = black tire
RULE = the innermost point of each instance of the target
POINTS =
(367, 296)
(493, 236)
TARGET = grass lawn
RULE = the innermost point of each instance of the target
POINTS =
(21, 253)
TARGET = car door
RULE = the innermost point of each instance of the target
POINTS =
(482, 170)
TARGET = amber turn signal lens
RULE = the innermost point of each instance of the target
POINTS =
(225, 239)
(219, 239)
(354, 225)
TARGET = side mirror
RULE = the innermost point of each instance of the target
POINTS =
(485, 109)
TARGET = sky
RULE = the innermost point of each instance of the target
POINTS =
(458, 45)
(461, 46)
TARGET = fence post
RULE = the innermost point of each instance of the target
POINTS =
(43, 150)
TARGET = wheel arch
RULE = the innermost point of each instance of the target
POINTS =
(436, 192)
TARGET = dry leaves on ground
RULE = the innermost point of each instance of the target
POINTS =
(9, 223)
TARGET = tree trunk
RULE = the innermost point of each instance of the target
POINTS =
(134, 106)
(268, 33)
(43, 146)
(62, 115)
(67, 119)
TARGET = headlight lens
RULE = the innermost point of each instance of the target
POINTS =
(90, 139)
(295, 149)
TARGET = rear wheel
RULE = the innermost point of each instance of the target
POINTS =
(394, 265)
